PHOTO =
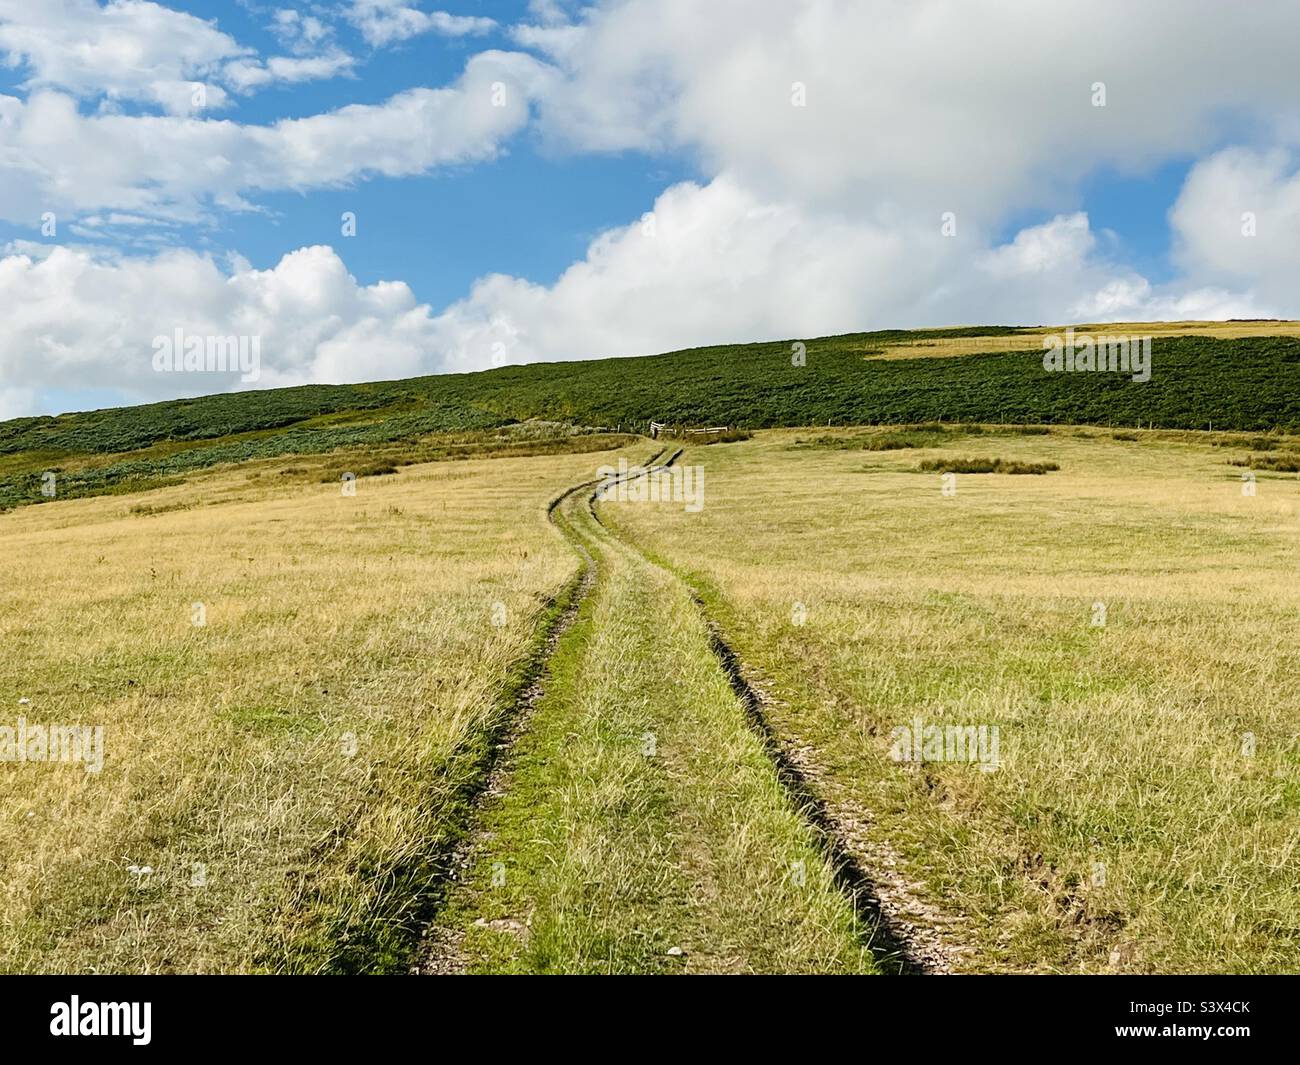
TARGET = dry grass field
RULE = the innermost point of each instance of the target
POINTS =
(1031, 339)
(300, 692)
(1126, 622)
(275, 780)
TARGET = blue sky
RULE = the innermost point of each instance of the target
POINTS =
(1134, 207)
(530, 213)
(659, 173)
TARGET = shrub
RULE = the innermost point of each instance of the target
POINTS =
(1253, 443)
(985, 465)
(1283, 462)
(731, 436)
(887, 443)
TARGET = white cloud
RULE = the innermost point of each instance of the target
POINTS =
(53, 158)
(1042, 248)
(84, 316)
(384, 22)
(17, 402)
(1133, 299)
(300, 32)
(711, 263)
(718, 263)
(134, 50)
(126, 50)
(1237, 223)
(246, 75)
(975, 107)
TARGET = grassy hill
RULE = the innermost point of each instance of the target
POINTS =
(1233, 383)
(427, 723)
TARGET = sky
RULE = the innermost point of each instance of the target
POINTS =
(377, 189)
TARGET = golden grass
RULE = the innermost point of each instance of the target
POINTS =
(1032, 339)
(1129, 827)
(288, 769)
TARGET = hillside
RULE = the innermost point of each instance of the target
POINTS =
(1198, 381)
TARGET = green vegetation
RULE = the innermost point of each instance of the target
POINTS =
(1255, 443)
(374, 447)
(1243, 384)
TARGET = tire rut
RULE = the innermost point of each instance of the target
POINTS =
(903, 933)
(440, 952)
(900, 928)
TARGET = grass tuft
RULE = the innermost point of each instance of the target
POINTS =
(986, 465)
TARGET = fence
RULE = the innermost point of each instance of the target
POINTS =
(658, 427)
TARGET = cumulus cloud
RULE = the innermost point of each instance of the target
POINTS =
(1134, 299)
(300, 32)
(246, 75)
(17, 402)
(718, 263)
(76, 314)
(57, 159)
(1236, 222)
(126, 50)
(710, 263)
(974, 107)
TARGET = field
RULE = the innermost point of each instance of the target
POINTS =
(1226, 376)
(406, 678)
(975, 341)
(292, 770)
(1126, 623)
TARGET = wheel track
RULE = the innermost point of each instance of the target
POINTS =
(440, 952)
(885, 903)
